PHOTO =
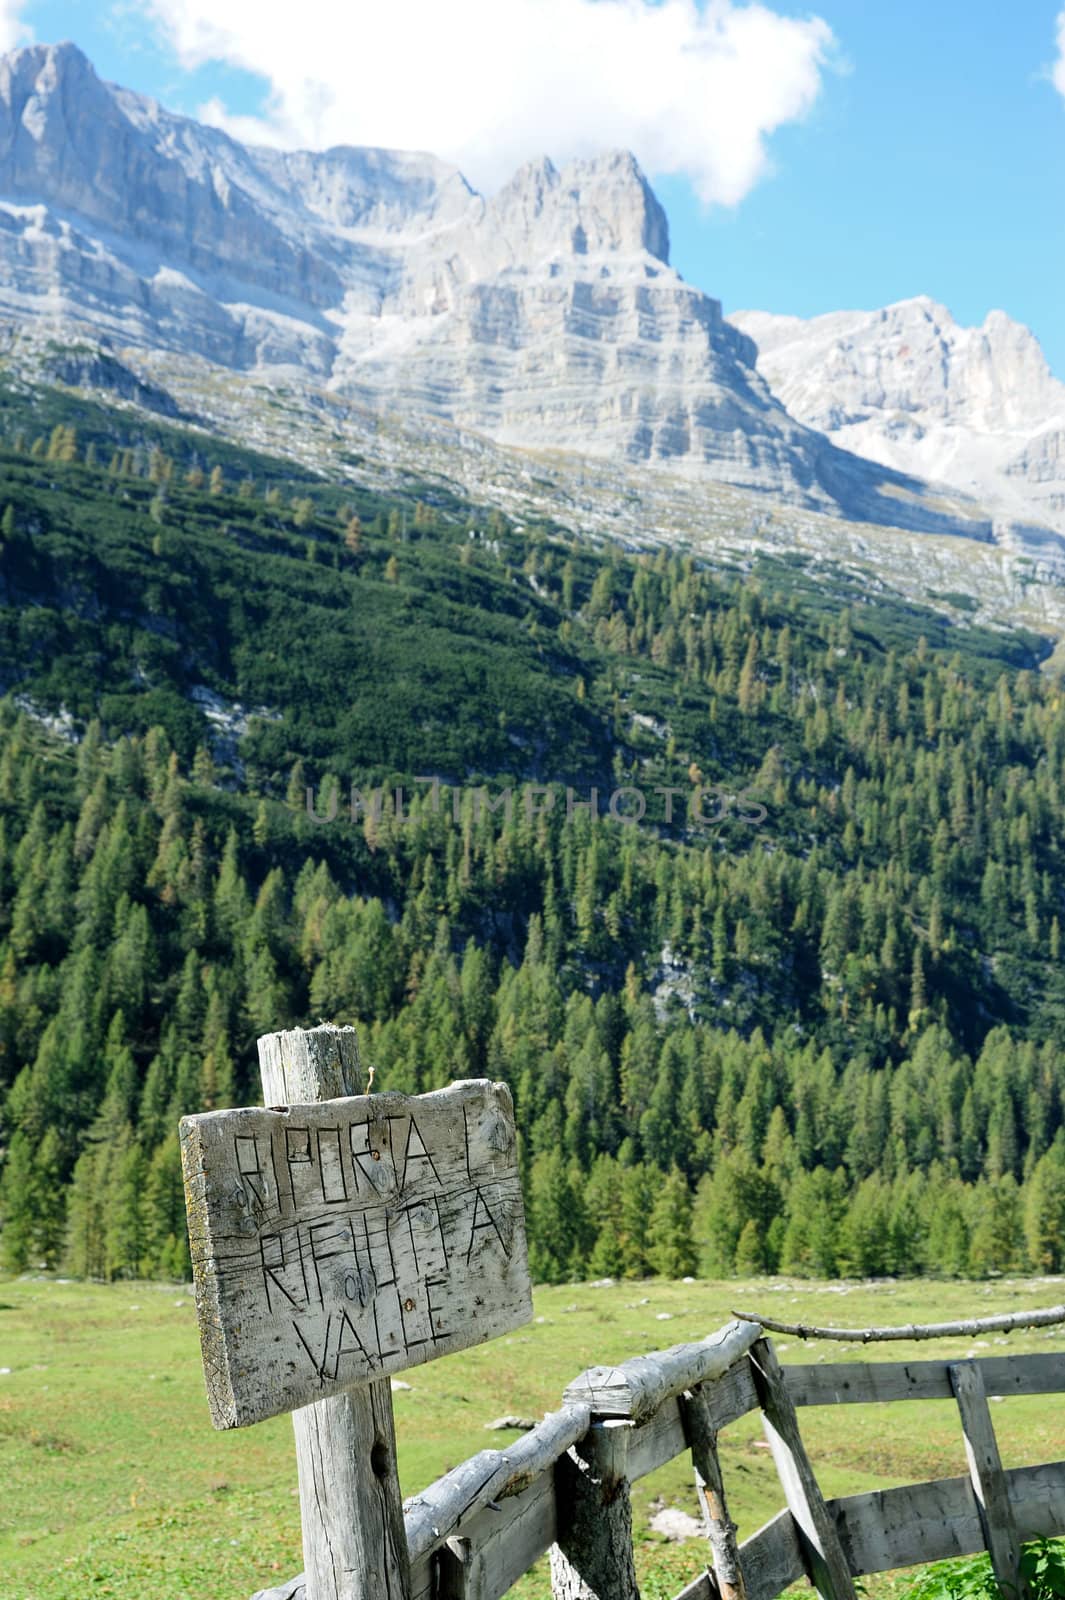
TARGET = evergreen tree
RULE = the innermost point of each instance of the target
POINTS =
(85, 1253)
(18, 1205)
(670, 1248)
(124, 1223)
(1044, 1210)
(554, 1212)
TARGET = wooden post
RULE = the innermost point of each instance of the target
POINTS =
(988, 1478)
(451, 1574)
(354, 1542)
(720, 1528)
(823, 1553)
(593, 1559)
(338, 1238)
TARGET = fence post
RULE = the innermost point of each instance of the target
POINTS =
(826, 1562)
(721, 1530)
(451, 1568)
(354, 1543)
(593, 1559)
(988, 1478)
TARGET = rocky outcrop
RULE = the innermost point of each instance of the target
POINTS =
(907, 386)
(97, 369)
(546, 316)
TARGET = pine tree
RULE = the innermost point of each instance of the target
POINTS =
(603, 1200)
(996, 1226)
(85, 1250)
(918, 993)
(18, 1205)
(124, 1219)
(231, 908)
(166, 1250)
(260, 830)
(671, 1250)
(864, 1235)
(747, 690)
(49, 1223)
(639, 1187)
(1044, 1210)
(750, 1258)
(553, 1218)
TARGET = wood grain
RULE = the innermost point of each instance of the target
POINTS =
(772, 1559)
(826, 1562)
(987, 1478)
(354, 1543)
(721, 1530)
(445, 1506)
(593, 1556)
(861, 1382)
(637, 1388)
(333, 1244)
(922, 1522)
(967, 1328)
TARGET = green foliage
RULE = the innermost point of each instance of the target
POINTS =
(829, 1042)
(1042, 1567)
(671, 1250)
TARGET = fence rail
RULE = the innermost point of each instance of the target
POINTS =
(564, 1486)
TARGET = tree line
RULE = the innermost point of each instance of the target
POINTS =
(828, 1044)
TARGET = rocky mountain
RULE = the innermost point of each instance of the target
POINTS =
(977, 408)
(546, 316)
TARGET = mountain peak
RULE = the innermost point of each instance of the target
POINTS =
(910, 387)
(62, 60)
(546, 315)
(601, 204)
(617, 172)
(919, 307)
(1000, 325)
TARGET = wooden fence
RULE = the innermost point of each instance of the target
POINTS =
(564, 1486)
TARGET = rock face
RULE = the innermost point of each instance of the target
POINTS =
(547, 316)
(977, 408)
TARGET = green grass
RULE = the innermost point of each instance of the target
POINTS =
(115, 1484)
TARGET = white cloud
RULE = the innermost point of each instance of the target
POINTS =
(13, 31)
(1058, 69)
(693, 88)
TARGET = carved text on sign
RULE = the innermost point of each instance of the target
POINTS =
(336, 1243)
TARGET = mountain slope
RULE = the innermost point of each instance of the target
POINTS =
(846, 1003)
(907, 386)
(433, 638)
(547, 315)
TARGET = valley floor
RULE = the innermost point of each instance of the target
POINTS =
(116, 1485)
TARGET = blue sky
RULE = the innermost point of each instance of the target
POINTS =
(919, 150)
(935, 165)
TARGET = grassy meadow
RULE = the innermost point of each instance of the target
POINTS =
(114, 1483)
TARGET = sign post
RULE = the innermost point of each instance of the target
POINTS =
(338, 1238)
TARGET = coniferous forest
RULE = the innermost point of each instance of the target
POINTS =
(821, 1030)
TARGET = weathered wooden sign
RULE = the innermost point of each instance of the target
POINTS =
(335, 1243)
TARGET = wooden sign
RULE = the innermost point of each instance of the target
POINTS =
(335, 1243)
